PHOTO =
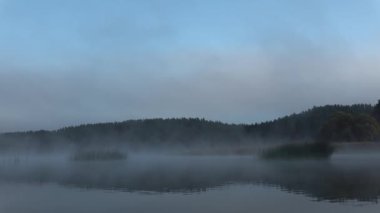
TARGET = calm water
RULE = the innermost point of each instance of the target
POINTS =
(346, 183)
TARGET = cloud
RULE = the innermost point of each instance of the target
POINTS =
(239, 86)
(244, 61)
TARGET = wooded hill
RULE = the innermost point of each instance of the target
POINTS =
(303, 126)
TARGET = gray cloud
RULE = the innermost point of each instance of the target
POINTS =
(240, 86)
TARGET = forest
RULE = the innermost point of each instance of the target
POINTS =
(330, 123)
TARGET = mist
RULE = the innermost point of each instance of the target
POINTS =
(189, 106)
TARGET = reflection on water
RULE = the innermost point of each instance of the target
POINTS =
(342, 178)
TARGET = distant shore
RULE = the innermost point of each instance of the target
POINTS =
(257, 148)
(354, 147)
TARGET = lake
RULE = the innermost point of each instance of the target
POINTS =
(156, 183)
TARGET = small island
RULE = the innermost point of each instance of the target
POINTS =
(299, 151)
(339, 128)
(98, 155)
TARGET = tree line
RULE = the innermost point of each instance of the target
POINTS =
(359, 122)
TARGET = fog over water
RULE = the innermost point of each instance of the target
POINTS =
(183, 106)
(40, 183)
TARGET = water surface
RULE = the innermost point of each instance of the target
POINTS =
(152, 183)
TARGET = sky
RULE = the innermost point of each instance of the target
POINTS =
(68, 62)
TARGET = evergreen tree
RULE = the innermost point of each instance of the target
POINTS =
(376, 112)
(346, 127)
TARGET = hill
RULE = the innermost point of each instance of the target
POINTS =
(304, 125)
(183, 131)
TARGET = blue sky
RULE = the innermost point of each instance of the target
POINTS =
(70, 62)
